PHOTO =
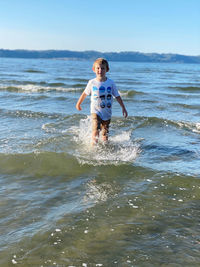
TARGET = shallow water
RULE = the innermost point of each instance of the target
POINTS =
(133, 202)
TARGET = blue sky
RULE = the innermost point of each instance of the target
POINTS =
(162, 26)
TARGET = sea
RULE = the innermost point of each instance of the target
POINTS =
(134, 201)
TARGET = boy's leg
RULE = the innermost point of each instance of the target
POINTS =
(95, 127)
(105, 129)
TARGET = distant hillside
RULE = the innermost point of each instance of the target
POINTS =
(91, 55)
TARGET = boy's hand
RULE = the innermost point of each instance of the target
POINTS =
(125, 113)
(81, 98)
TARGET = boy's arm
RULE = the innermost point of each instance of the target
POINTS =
(79, 102)
(124, 111)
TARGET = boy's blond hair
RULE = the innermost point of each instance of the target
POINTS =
(102, 61)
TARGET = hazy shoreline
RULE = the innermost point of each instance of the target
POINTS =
(124, 56)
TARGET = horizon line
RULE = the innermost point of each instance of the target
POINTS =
(117, 52)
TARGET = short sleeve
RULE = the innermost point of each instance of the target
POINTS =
(114, 90)
(87, 90)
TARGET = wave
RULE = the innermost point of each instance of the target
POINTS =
(40, 164)
(143, 121)
(129, 93)
(63, 125)
(123, 149)
(191, 126)
(169, 151)
(79, 85)
(37, 88)
(186, 106)
(187, 88)
(28, 114)
(131, 123)
(77, 80)
(22, 83)
(56, 84)
(34, 71)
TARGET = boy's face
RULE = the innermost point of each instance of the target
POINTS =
(100, 70)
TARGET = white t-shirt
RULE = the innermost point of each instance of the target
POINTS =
(101, 97)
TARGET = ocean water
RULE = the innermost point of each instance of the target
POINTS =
(133, 202)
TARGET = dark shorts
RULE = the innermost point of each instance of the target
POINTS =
(99, 124)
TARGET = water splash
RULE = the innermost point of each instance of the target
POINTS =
(119, 149)
(97, 192)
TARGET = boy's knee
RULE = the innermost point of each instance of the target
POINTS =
(104, 132)
(105, 128)
(95, 122)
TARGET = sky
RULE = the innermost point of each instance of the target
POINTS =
(148, 26)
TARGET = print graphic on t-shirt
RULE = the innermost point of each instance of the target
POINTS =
(109, 97)
(109, 104)
(95, 92)
(102, 104)
(94, 88)
(109, 89)
(109, 101)
(102, 89)
(102, 96)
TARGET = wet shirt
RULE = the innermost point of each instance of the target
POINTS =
(101, 97)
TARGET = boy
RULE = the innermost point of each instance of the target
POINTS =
(102, 90)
